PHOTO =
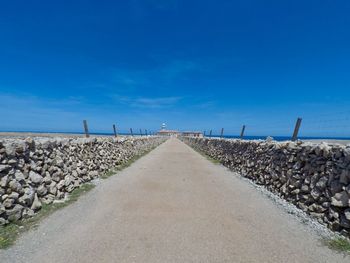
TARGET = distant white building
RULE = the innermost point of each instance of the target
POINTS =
(164, 132)
(192, 134)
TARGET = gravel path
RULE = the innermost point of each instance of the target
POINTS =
(172, 205)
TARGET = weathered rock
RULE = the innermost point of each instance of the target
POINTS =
(47, 179)
(14, 196)
(347, 214)
(315, 193)
(30, 169)
(340, 199)
(27, 213)
(315, 177)
(16, 186)
(322, 183)
(57, 176)
(344, 177)
(48, 199)
(344, 222)
(35, 177)
(2, 209)
(36, 203)
(19, 176)
(41, 190)
(9, 202)
(335, 187)
(93, 174)
(4, 168)
(15, 213)
(60, 185)
(27, 198)
(3, 221)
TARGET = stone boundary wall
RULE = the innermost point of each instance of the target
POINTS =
(41, 170)
(314, 177)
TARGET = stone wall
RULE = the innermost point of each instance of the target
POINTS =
(314, 177)
(41, 170)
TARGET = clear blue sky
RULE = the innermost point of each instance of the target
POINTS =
(192, 64)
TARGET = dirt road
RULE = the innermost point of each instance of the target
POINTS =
(172, 205)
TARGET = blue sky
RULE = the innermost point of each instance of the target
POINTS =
(193, 64)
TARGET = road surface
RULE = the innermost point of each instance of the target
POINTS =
(172, 205)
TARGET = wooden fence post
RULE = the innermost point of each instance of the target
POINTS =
(114, 130)
(132, 134)
(296, 129)
(86, 129)
(242, 132)
(222, 132)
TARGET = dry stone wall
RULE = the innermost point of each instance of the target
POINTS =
(41, 170)
(314, 177)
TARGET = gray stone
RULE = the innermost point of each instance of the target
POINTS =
(347, 214)
(27, 213)
(16, 186)
(2, 209)
(14, 195)
(70, 188)
(322, 183)
(340, 199)
(93, 174)
(36, 203)
(15, 213)
(344, 222)
(4, 168)
(59, 162)
(305, 188)
(68, 180)
(315, 193)
(57, 176)
(48, 199)
(47, 179)
(35, 177)
(41, 190)
(344, 177)
(26, 199)
(60, 185)
(19, 176)
(4, 181)
(9, 202)
(3, 221)
(335, 187)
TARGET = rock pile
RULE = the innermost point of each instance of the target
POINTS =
(39, 171)
(314, 177)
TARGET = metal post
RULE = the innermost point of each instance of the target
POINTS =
(86, 129)
(210, 133)
(296, 129)
(140, 132)
(242, 132)
(132, 134)
(222, 132)
(114, 130)
(146, 132)
(204, 134)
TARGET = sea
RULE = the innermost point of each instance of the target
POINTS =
(259, 137)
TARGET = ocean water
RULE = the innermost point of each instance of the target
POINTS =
(282, 138)
(276, 138)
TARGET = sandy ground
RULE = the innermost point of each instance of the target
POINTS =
(172, 205)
